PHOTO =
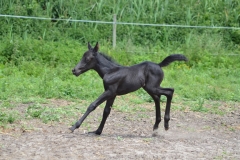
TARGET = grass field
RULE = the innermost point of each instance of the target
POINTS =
(38, 71)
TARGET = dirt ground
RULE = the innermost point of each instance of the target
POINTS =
(192, 135)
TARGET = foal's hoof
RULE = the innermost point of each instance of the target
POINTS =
(94, 133)
(72, 129)
(166, 127)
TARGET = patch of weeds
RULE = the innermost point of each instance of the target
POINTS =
(33, 100)
(143, 116)
(3, 86)
(178, 107)
(129, 118)
(232, 129)
(122, 108)
(51, 114)
(35, 110)
(179, 125)
(199, 106)
(2, 146)
(163, 99)
(99, 119)
(138, 108)
(7, 117)
(85, 125)
(190, 129)
(47, 114)
(223, 155)
(119, 138)
(137, 101)
(7, 104)
(24, 127)
(144, 96)
(147, 140)
(77, 108)
(206, 128)
(215, 109)
(131, 109)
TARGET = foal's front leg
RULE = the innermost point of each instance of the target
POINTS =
(106, 112)
(106, 95)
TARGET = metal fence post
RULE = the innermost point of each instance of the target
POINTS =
(114, 30)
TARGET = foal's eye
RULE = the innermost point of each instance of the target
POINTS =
(88, 59)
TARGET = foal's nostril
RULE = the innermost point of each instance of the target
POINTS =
(73, 70)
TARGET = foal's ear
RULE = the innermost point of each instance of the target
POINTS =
(89, 46)
(95, 49)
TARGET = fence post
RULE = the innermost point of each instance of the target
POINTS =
(114, 30)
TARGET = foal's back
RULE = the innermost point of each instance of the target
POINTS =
(129, 79)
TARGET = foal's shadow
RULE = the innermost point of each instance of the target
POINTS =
(127, 136)
(112, 136)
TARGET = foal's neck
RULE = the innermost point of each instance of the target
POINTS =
(104, 65)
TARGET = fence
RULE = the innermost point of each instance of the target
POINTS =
(115, 23)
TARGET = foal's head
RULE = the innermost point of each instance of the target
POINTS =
(88, 60)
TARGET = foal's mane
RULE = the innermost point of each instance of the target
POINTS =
(108, 58)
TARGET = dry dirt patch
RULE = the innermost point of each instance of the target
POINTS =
(127, 136)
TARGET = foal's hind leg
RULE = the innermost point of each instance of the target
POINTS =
(156, 99)
(168, 92)
(106, 112)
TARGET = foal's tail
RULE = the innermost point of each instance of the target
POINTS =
(172, 58)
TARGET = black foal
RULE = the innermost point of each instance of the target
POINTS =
(120, 80)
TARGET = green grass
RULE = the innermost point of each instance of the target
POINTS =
(7, 117)
(8, 114)
(210, 77)
(48, 113)
(37, 71)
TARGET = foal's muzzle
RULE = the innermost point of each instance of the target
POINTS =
(76, 72)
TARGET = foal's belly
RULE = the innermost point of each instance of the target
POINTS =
(130, 84)
(127, 79)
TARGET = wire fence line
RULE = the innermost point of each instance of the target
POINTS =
(114, 22)
(120, 23)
